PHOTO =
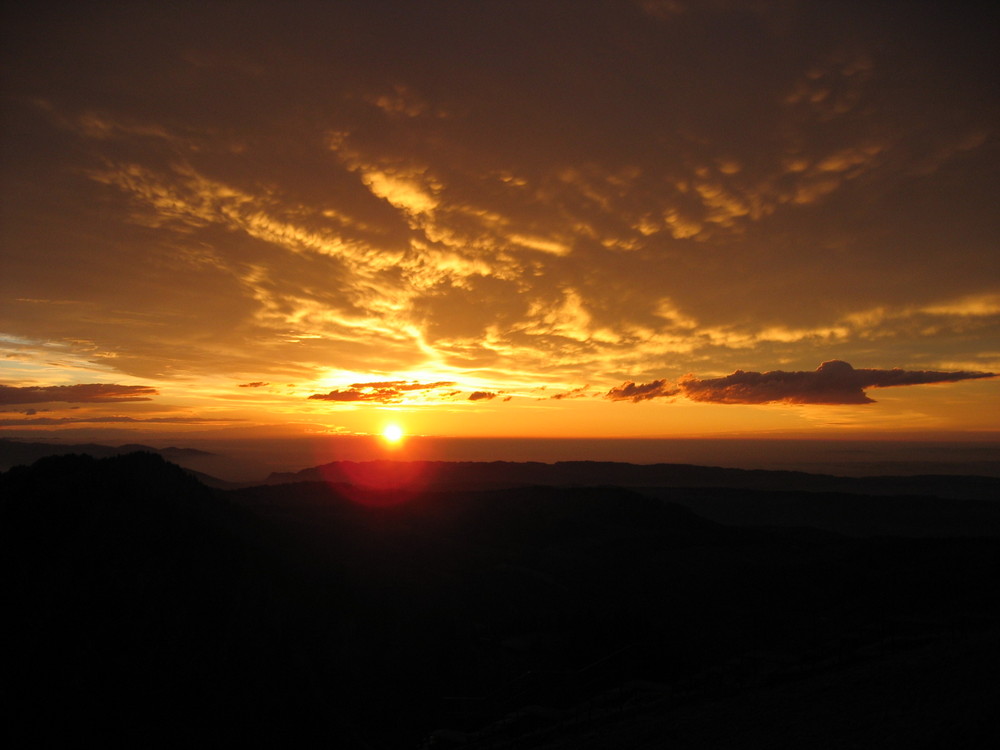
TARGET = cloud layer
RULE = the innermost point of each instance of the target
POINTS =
(561, 193)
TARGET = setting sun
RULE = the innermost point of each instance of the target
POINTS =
(393, 433)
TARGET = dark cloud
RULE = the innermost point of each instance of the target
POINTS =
(630, 391)
(482, 396)
(833, 382)
(93, 393)
(580, 392)
(48, 421)
(254, 384)
(382, 392)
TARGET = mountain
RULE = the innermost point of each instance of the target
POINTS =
(17, 452)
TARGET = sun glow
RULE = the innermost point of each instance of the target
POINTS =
(392, 433)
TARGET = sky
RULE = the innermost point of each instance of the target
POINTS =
(585, 218)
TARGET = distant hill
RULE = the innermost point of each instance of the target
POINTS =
(507, 474)
(17, 452)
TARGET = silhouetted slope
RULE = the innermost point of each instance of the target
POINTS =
(507, 474)
(142, 607)
(506, 597)
(852, 514)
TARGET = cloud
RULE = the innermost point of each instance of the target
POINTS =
(384, 392)
(254, 384)
(92, 393)
(482, 396)
(416, 209)
(629, 391)
(833, 382)
(575, 393)
(402, 385)
(48, 421)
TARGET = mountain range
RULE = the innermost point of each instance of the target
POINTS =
(145, 606)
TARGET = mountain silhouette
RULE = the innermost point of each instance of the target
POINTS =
(18, 452)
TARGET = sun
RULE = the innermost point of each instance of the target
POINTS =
(393, 433)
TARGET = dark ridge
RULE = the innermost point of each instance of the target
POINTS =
(507, 474)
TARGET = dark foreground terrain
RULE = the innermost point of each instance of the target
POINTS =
(144, 608)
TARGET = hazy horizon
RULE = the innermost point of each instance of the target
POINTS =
(253, 459)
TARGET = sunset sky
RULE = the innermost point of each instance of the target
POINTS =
(586, 218)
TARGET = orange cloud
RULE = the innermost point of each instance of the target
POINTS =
(580, 392)
(414, 219)
(381, 392)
